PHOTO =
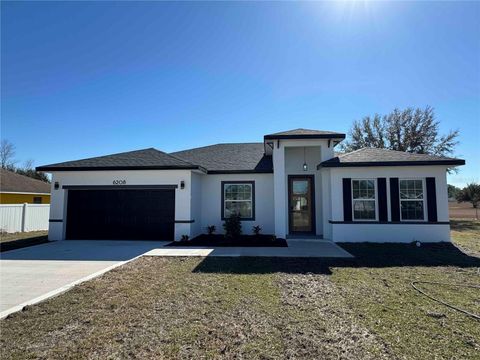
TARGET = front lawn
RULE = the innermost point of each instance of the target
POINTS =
(263, 308)
(11, 241)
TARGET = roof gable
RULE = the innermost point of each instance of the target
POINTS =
(13, 182)
(305, 134)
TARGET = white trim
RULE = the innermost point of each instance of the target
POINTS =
(375, 199)
(424, 192)
(23, 193)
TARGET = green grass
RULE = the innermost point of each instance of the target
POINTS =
(265, 308)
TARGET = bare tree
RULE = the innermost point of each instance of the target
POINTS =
(7, 155)
(28, 164)
(410, 130)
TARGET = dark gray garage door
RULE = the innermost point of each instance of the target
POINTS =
(121, 214)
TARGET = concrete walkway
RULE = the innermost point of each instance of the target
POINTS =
(35, 273)
(296, 248)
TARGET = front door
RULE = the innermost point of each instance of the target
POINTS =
(301, 204)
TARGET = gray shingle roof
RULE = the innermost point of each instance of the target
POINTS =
(305, 134)
(140, 159)
(384, 157)
(13, 182)
(225, 158)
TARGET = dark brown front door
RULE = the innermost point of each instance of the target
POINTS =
(301, 204)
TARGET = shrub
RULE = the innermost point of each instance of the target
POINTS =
(256, 230)
(233, 226)
(211, 229)
(185, 238)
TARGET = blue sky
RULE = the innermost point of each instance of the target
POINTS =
(81, 79)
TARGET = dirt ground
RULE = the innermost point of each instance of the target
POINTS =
(461, 210)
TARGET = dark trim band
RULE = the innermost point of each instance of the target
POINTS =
(119, 187)
(184, 221)
(55, 220)
(390, 222)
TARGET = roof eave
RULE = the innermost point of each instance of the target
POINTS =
(106, 168)
(453, 162)
(304, 136)
(217, 172)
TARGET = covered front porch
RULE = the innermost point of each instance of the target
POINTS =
(301, 191)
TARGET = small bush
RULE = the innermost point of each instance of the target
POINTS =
(185, 238)
(256, 230)
(211, 229)
(233, 226)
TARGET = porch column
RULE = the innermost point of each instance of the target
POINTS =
(279, 191)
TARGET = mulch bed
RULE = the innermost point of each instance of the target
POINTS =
(244, 241)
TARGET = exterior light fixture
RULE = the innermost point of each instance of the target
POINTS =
(305, 166)
(56, 185)
(182, 184)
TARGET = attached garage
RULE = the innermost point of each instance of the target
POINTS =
(120, 214)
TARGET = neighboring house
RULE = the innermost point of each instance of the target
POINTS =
(291, 184)
(19, 189)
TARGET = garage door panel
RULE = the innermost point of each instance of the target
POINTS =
(121, 214)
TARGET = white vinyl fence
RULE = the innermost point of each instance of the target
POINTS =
(24, 217)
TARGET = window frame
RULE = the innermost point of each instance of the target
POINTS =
(238, 182)
(424, 198)
(375, 199)
(37, 200)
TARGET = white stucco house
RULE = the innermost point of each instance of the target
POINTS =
(292, 184)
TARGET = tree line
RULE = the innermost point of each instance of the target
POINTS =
(8, 162)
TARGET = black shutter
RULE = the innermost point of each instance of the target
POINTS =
(431, 199)
(347, 199)
(382, 199)
(394, 199)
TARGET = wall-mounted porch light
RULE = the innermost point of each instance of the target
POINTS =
(305, 166)
(182, 184)
(56, 185)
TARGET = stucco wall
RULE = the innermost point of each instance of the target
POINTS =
(132, 177)
(196, 204)
(390, 232)
(211, 204)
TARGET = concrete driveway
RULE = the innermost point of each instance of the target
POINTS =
(32, 274)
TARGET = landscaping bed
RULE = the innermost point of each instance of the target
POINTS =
(217, 240)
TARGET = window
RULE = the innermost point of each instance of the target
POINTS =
(37, 199)
(238, 197)
(412, 200)
(363, 200)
